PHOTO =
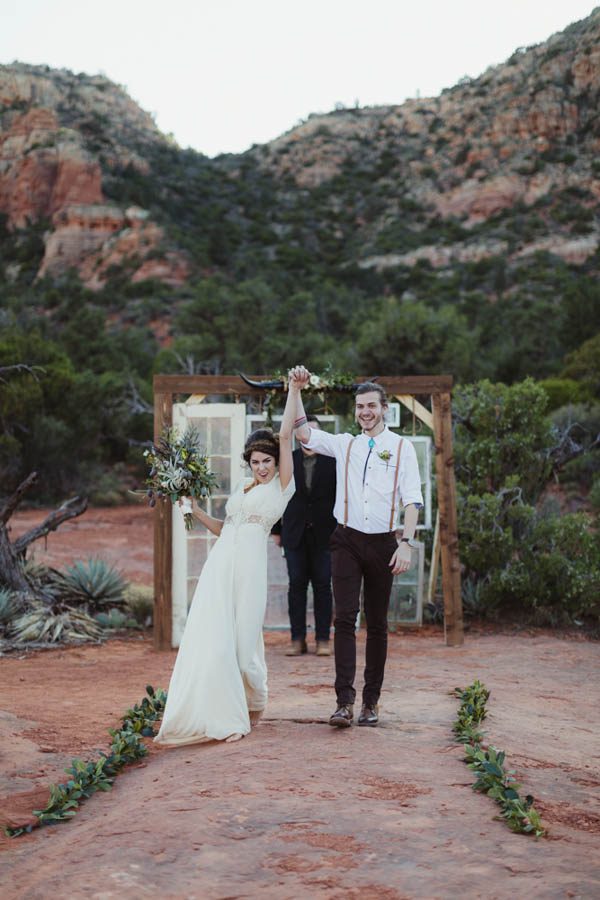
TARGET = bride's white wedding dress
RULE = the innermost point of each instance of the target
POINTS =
(220, 672)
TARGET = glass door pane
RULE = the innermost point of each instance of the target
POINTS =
(221, 428)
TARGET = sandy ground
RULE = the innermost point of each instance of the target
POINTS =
(121, 535)
(298, 809)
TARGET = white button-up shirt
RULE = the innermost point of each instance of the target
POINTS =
(370, 478)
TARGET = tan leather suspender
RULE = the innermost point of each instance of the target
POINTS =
(346, 482)
(393, 512)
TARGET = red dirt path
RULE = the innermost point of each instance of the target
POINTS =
(298, 809)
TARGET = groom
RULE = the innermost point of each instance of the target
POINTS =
(376, 471)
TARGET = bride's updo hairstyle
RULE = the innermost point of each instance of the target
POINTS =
(263, 440)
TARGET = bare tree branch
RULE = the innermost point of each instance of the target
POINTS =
(465, 421)
(136, 403)
(21, 367)
(568, 448)
(191, 366)
(13, 501)
(69, 510)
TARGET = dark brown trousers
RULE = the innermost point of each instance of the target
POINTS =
(358, 557)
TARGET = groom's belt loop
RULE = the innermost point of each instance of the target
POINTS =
(393, 512)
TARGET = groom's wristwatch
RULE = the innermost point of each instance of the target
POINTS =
(408, 541)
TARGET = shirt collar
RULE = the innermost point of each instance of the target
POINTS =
(378, 437)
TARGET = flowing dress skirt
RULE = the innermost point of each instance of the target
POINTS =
(220, 672)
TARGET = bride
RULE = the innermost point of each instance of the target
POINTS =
(218, 687)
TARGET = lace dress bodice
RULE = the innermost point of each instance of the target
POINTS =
(263, 505)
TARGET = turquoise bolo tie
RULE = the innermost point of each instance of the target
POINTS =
(371, 445)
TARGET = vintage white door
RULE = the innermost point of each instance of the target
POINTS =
(221, 427)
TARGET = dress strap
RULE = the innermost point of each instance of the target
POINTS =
(393, 513)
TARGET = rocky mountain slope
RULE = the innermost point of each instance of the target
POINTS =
(59, 133)
(524, 135)
(436, 180)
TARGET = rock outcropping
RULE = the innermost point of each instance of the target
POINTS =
(58, 131)
(521, 133)
(387, 186)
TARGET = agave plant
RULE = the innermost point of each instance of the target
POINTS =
(44, 624)
(93, 584)
(10, 604)
(35, 573)
(475, 603)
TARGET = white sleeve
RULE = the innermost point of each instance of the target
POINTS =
(322, 442)
(410, 478)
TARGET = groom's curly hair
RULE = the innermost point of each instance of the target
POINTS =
(263, 440)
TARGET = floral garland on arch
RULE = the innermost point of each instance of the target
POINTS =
(321, 385)
(331, 380)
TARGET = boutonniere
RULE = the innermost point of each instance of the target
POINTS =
(385, 455)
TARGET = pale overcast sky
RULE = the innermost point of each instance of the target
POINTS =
(225, 74)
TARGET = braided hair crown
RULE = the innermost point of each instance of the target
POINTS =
(263, 440)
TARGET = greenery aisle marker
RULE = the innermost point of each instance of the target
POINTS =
(488, 762)
(98, 775)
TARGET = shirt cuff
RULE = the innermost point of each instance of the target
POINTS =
(309, 443)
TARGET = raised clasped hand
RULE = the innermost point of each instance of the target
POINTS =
(299, 377)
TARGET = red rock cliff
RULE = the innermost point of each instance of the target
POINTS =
(48, 172)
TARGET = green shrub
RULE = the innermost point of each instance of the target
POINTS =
(139, 600)
(583, 365)
(502, 431)
(519, 560)
(554, 577)
(579, 473)
(582, 423)
(582, 418)
(594, 495)
(116, 620)
(111, 486)
(561, 392)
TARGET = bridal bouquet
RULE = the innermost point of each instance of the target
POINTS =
(178, 468)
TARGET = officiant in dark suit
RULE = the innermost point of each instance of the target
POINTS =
(304, 533)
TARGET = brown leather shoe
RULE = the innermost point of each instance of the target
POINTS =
(369, 715)
(342, 717)
(323, 648)
(297, 648)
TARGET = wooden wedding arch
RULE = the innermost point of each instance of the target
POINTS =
(404, 389)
